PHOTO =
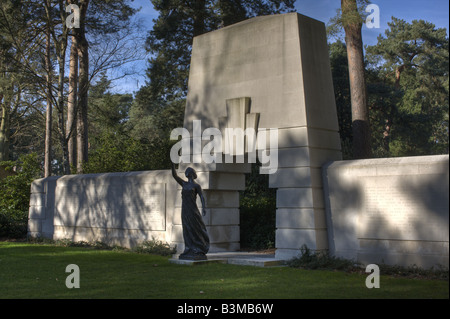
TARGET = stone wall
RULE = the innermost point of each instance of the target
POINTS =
(128, 208)
(116, 208)
(393, 210)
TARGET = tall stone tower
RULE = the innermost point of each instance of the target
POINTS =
(276, 68)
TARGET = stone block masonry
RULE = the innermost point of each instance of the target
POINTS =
(116, 208)
(279, 66)
(392, 210)
(128, 208)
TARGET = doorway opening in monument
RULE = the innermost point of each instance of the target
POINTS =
(257, 212)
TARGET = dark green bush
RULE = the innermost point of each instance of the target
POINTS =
(438, 272)
(257, 222)
(155, 247)
(257, 212)
(15, 196)
(309, 259)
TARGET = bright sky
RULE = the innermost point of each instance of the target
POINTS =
(435, 11)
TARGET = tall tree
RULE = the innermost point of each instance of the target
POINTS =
(103, 18)
(412, 62)
(352, 23)
(72, 98)
(5, 67)
(36, 57)
(49, 117)
(33, 43)
(61, 44)
(83, 85)
(21, 41)
(4, 128)
(341, 84)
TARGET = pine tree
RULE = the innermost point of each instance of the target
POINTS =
(352, 23)
(412, 60)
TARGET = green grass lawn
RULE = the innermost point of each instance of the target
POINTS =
(38, 271)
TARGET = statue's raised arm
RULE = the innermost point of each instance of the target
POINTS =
(175, 175)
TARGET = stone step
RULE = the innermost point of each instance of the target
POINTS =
(196, 262)
(234, 258)
(257, 262)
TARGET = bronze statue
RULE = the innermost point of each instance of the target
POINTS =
(196, 239)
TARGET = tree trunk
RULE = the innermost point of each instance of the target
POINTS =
(48, 122)
(199, 17)
(61, 48)
(61, 117)
(4, 131)
(72, 103)
(82, 117)
(360, 111)
(387, 135)
(398, 73)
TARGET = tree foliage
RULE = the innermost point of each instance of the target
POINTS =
(15, 195)
(20, 70)
(352, 23)
(34, 40)
(406, 74)
(341, 83)
(409, 67)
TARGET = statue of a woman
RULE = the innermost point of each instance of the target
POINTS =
(196, 239)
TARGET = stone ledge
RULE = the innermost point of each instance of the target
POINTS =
(196, 262)
(235, 258)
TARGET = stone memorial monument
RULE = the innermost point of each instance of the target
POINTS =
(270, 73)
(269, 78)
(260, 90)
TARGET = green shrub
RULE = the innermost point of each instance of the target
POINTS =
(257, 211)
(155, 247)
(309, 259)
(121, 153)
(257, 222)
(15, 196)
(438, 272)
